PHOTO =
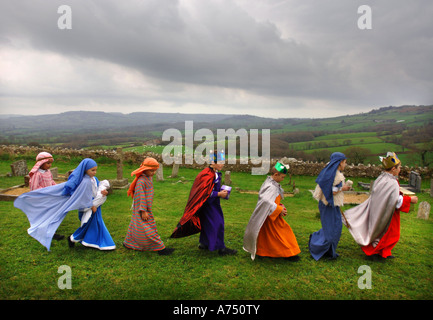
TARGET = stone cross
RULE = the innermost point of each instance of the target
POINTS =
(119, 163)
(119, 182)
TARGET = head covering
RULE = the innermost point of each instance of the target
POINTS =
(282, 168)
(77, 175)
(148, 164)
(390, 160)
(216, 156)
(41, 158)
(327, 175)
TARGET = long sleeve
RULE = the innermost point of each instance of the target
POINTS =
(214, 194)
(143, 195)
(99, 200)
(405, 204)
(276, 213)
(35, 181)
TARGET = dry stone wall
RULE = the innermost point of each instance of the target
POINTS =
(296, 167)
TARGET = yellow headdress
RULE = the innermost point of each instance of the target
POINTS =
(390, 160)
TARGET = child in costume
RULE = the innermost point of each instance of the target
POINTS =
(98, 201)
(267, 233)
(47, 207)
(93, 233)
(41, 177)
(142, 234)
(203, 212)
(330, 184)
(375, 223)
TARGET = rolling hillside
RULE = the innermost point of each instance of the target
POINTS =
(405, 129)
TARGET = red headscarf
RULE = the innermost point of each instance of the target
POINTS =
(148, 164)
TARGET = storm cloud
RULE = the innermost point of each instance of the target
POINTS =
(269, 58)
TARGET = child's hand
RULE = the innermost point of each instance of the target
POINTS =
(223, 194)
(94, 209)
(346, 187)
(284, 212)
(413, 199)
(104, 192)
(144, 215)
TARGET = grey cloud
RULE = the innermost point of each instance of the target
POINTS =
(247, 44)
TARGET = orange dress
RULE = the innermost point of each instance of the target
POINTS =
(276, 239)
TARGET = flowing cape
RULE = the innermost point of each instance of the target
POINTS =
(370, 220)
(269, 191)
(47, 207)
(201, 190)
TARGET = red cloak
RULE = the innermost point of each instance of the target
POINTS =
(200, 191)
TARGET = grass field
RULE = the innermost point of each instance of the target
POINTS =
(28, 271)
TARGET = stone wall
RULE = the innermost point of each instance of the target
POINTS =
(296, 167)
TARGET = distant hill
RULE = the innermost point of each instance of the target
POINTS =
(63, 127)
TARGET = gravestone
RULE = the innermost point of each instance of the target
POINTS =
(175, 170)
(26, 181)
(68, 173)
(431, 188)
(19, 168)
(423, 210)
(55, 172)
(415, 181)
(227, 179)
(160, 173)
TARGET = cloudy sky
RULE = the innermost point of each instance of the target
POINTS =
(293, 58)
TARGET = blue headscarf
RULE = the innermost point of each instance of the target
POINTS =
(326, 177)
(77, 175)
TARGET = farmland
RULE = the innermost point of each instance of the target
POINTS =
(407, 130)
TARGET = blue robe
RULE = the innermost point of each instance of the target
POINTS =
(94, 233)
(324, 242)
(47, 207)
(212, 219)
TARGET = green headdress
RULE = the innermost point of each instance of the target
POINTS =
(281, 167)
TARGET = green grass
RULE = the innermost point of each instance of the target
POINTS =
(28, 271)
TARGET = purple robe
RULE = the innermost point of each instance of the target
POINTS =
(212, 219)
